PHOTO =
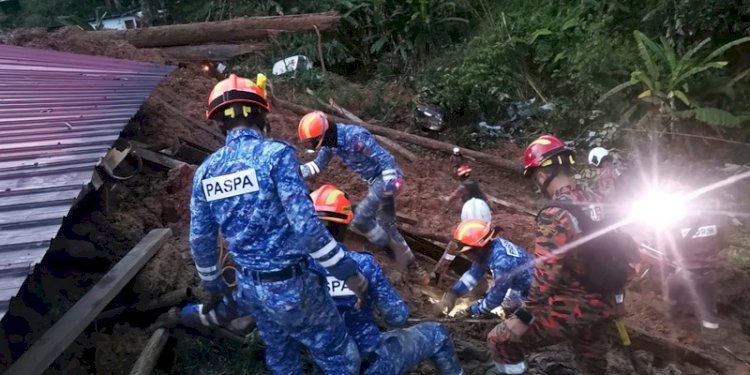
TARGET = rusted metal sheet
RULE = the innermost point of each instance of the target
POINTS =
(59, 114)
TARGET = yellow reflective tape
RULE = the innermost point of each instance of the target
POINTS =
(246, 110)
(540, 141)
(547, 163)
(468, 226)
(229, 112)
(331, 199)
(306, 128)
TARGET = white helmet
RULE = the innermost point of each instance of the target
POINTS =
(597, 155)
(476, 209)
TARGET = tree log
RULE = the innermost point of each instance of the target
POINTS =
(212, 52)
(234, 30)
(150, 355)
(413, 139)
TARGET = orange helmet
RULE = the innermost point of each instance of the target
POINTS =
(312, 127)
(541, 152)
(332, 204)
(463, 170)
(473, 233)
(238, 90)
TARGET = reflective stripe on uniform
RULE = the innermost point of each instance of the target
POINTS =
(334, 259)
(710, 325)
(512, 368)
(209, 277)
(449, 257)
(375, 234)
(205, 269)
(468, 281)
(323, 251)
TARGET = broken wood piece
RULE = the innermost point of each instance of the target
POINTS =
(672, 350)
(396, 135)
(44, 351)
(511, 205)
(234, 30)
(393, 146)
(151, 352)
(159, 158)
(189, 120)
(213, 52)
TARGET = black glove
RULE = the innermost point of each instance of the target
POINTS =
(359, 285)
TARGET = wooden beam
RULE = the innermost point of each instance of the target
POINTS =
(159, 158)
(673, 351)
(150, 354)
(395, 135)
(45, 350)
(511, 205)
(234, 30)
(213, 52)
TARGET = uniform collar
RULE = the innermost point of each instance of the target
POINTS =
(239, 133)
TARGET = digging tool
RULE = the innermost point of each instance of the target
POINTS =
(625, 337)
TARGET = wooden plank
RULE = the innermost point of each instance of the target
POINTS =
(61, 335)
(159, 158)
(150, 354)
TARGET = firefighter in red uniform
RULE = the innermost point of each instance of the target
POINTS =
(564, 301)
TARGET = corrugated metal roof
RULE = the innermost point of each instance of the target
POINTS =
(59, 114)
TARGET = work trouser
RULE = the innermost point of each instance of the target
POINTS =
(375, 217)
(226, 311)
(295, 314)
(698, 288)
(403, 349)
(582, 318)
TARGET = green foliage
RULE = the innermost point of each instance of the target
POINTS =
(666, 78)
(402, 31)
(566, 53)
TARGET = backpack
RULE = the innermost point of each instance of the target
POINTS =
(605, 258)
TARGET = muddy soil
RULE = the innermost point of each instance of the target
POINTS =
(160, 199)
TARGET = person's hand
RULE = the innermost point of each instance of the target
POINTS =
(446, 304)
(359, 285)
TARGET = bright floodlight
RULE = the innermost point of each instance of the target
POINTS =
(659, 209)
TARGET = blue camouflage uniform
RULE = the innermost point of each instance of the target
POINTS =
(251, 190)
(394, 352)
(398, 351)
(511, 269)
(375, 215)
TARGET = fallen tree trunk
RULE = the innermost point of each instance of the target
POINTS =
(212, 52)
(413, 139)
(234, 30)
(671, 350)
(151, 352)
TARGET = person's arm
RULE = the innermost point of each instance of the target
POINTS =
(494, 296)
(204, 233)
(301, 214)
(554, 229)
(320, 163)
(455, 194)
(365, 144)
(469, 280)
(392, 308)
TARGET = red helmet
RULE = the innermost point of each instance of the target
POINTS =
(312, 127)
(332, 204)
(473, 233)
(540, 153)
(463, 170)
(238, 90)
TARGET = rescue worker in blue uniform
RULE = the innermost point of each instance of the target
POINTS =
(390, 353)
(376, 213)
(252, 192)
(393, 352)
(511, 268)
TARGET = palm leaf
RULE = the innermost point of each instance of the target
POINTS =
(714, 117)
(681, 95)
(643, 49)
(720, 51)
(712, 65)
(669, 53)
(616, 89)
(452, 19)
(695, 49)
